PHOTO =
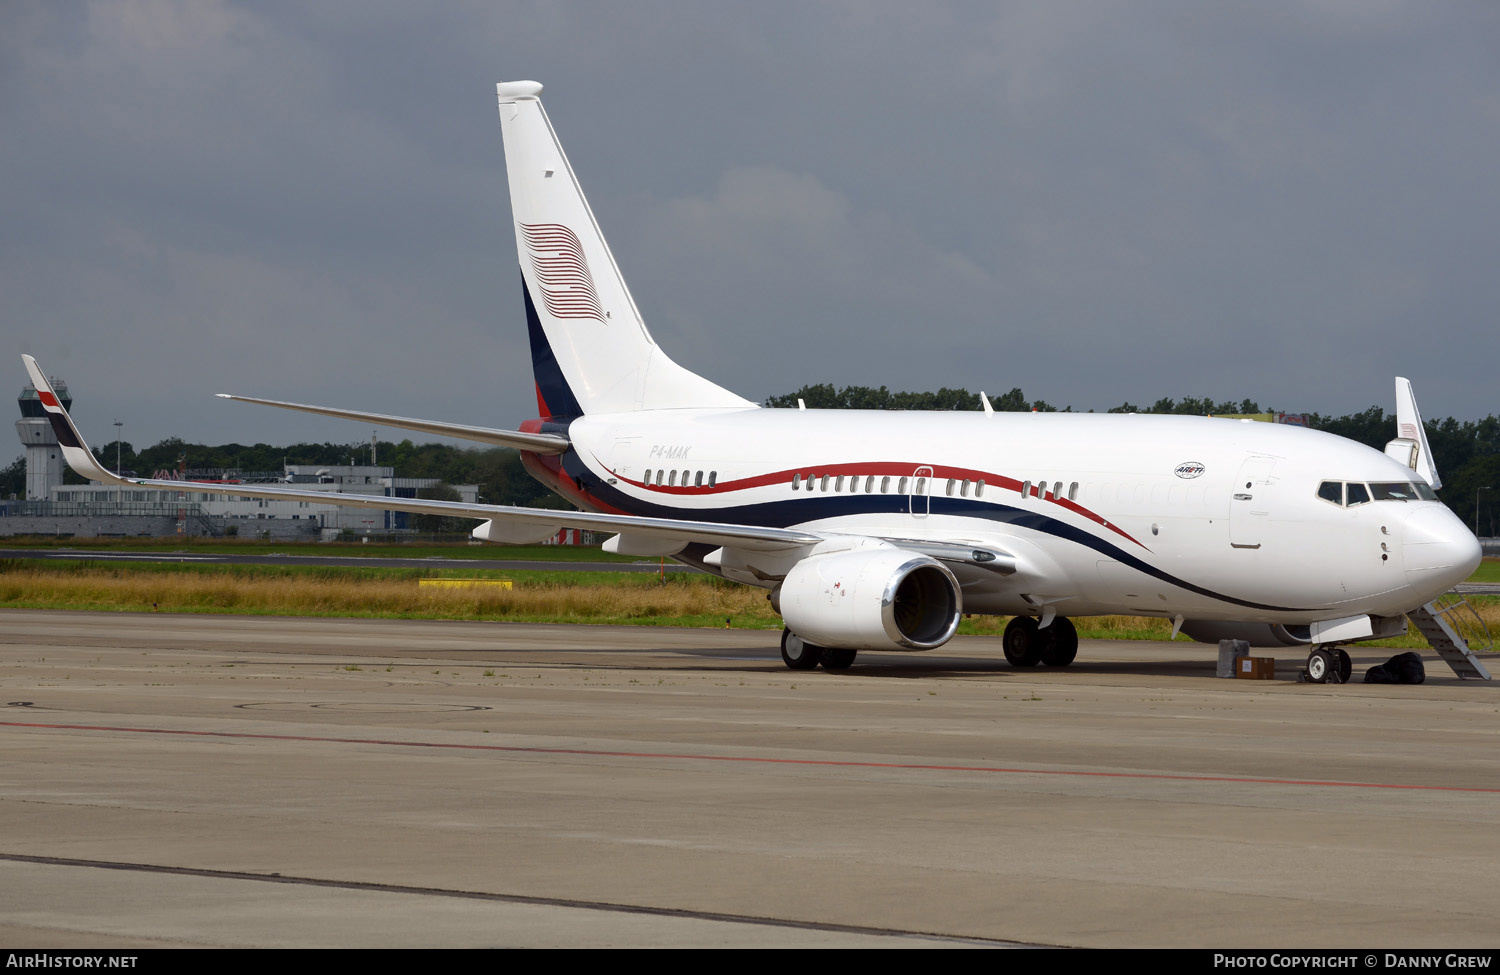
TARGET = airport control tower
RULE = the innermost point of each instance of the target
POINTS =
(44, 461)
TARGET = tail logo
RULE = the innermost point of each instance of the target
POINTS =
(562, 273)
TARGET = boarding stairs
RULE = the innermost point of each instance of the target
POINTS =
(1454, 628)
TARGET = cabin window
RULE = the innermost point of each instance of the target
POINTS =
(838, 483)
(870, 484)
(796, 482)
(921, 485)
(1057, 490)
(672, 479)
(951, 483)
(647, 480)
(1073, 491)
(712, 477)
(1025, 489)
(885, 485)
(1332, 492)
(963, 490)
(823, 483)
(698, 479)
(1356, 494)
(901, 489)
(661, 476)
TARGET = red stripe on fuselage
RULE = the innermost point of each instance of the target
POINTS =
(876, 469)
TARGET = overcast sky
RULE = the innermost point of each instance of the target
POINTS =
(1097, 202)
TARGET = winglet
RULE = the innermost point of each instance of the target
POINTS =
(75, 451)
(1410, 446)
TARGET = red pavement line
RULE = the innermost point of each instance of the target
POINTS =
(834, 763)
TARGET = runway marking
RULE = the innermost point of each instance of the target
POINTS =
(479, 895)
(757, 759)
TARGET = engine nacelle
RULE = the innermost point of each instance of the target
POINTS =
(871, 599)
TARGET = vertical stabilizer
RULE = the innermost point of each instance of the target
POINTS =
(591, 352)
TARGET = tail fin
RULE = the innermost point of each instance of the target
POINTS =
(590, 350)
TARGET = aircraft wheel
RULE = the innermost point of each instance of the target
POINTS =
(1022, 642)
(1060, 645)
(797, 653)
(1344, 666)
(1321, 666)
(834, 659)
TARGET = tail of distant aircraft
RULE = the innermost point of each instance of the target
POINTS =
(590, 350)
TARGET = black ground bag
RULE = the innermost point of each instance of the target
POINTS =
(1403, 668)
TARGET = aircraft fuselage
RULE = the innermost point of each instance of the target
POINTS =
(1105, 513)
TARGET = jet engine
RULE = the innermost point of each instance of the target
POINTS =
(881, 599)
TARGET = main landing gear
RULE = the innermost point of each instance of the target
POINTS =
(798, 654)
(1329, 665)
(1027, 644)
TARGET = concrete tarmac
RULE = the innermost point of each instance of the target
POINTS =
(260, 781)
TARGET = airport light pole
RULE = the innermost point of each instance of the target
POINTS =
(1487, 487)
(118, 427)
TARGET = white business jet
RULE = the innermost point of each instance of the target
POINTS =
(879, 530)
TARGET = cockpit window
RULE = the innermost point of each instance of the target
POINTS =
(1349, 495)
(1393, 491)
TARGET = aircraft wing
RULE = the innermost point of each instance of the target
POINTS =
(539, 443)
(81, 459)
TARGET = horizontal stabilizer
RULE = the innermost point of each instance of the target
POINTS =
(537, 443)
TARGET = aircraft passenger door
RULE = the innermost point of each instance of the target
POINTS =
(919, 498)
(1250, 503)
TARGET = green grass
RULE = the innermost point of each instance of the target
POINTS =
(1488, 571)
(684, 599)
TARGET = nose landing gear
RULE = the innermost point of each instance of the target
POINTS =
(1328, 665)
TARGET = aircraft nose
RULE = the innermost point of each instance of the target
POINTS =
(1437, 550)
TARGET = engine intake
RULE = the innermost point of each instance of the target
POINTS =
(882, 599)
